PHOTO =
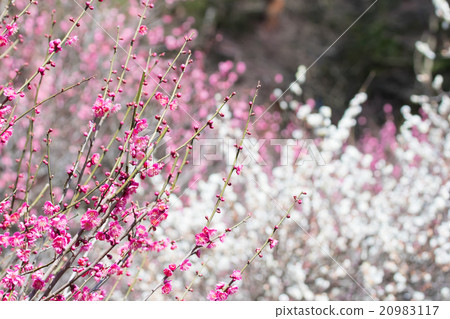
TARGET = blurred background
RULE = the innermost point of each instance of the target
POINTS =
(276, 36)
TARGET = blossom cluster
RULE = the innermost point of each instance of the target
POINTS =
(101, 200)
(94, 212)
